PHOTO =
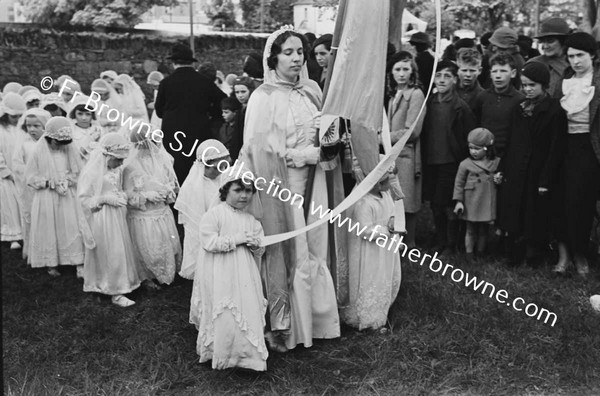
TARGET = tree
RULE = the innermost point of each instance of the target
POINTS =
(591, 17)
(108, 13)
(221, 12)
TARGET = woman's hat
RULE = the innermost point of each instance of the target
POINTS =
(583, 42)
(481, 137)
(553, 27)
(42, 115)
(504, 37)
(115, 145)
(32, 94)
(181, 52)
(59, 128)
(537, 72)
(155, 77)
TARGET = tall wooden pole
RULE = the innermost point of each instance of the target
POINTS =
(537, 17)
(262, 15)
(191, 2)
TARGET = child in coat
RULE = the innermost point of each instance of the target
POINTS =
(227, 305)
(199, 192)
(475, 190)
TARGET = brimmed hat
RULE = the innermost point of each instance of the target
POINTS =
(537, 72)
(504, 37)
(26, 89)
(155, 77)
(12, 87)
(42, 115)
(420, 38)
(481, 137)
(59, 128)
(181, 52)
(32, 94)
(553, 27)
(12, 104)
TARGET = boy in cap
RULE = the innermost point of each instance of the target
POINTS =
(444, 143)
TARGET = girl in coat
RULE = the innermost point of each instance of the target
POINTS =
(57, 233)
(531, 167)
(11, 109)
(475, 190)
(110, 265)
(34, 123)
(228, 306)
(403, 110)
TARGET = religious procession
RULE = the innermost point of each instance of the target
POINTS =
(303, 197)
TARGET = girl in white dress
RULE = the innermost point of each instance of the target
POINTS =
(57, 234)
(151, 185)
(11, 109)
(227, 304)
(108, 97)
(110, 267)
(132, 97)
(199, 193)
(34, 123)
(86, 130)
(373, 267)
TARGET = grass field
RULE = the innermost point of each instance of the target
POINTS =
(442, 339)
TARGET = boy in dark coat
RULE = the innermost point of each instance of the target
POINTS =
(469, 68)
(494, 107)
(444, 145)
(227, 133)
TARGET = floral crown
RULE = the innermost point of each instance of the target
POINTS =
(60, 134)
(116, 150)
(274, 35)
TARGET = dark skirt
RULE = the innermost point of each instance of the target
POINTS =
(581, 191)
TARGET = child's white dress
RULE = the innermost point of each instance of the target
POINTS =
(110, 268)
(374, 272)
(86, 139)
(21, 157)
(10, 215)
(190, 215)
(55, 237)
(151, 224)
(227, 305)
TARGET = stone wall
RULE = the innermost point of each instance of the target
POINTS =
(29, 53)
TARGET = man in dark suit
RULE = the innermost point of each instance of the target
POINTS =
(187, 103)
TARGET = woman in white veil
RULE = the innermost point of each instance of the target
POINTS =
(281, 144)
(132, 97)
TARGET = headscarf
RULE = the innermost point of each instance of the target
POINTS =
(41, 165)
(132, 97)
(270, 75)
(191, 200)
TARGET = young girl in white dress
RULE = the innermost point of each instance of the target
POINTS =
(374, 272)
(86, 130)
(151, 185)
(56, 236)
(11, 109)
(110, 267)
(227, 305)
(199, 192)
(34, 123)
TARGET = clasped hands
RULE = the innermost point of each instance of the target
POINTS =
(247, 238)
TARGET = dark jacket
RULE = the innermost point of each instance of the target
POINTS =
(463, 122)
(189, 103)
(424, 61)
(594, 107)
(533, 159)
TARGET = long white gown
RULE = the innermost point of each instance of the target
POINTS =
(110, 268)
(55, 237)
(374, 272)
(21, 157)
(227, 305)
(10, 215)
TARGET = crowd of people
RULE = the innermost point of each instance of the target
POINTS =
(508, 147)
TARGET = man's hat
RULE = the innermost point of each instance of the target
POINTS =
(553, 27)
(181, 52)
(420, 38)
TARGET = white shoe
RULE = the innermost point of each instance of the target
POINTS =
(122, 301)
(583, 269)
(561, 268)
(15, 246)
(53, 272)
(80, 272)
(595, 301)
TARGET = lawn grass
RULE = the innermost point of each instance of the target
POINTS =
(442, 339)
